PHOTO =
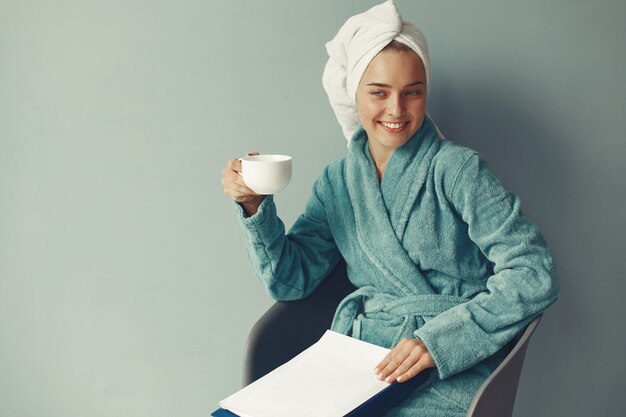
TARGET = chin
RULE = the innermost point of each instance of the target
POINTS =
(397, 139)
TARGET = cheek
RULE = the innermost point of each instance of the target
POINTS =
(367, 111)
(418, 108)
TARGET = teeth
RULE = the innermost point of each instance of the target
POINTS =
(392, 125)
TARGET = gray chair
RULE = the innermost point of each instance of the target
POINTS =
(289, 327)
(496, 396)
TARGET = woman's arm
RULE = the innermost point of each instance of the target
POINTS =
(290, 266)
(523, 283)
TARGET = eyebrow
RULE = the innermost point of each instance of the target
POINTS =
(388, 86)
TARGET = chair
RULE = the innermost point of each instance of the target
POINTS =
(289, 327)
(496, 396)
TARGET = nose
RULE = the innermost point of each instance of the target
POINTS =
(395, 106)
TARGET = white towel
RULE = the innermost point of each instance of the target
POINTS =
(358, 41)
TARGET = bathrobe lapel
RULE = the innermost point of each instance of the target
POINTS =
(382, 211)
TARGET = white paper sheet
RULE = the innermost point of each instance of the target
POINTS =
(329, 379)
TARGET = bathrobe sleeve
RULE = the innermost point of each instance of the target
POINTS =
(290, 266)
(523, 283)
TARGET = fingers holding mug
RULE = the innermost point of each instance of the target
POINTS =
(235, 164)
(234, 185)
(233, 171)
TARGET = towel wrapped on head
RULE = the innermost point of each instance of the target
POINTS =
(358, 41)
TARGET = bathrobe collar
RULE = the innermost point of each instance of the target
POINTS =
(382, 210)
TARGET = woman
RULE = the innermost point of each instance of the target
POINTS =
(447, 269)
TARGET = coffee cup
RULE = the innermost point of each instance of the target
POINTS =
(266, 174)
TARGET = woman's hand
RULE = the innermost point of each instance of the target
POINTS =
(407, 359)
(237, 189)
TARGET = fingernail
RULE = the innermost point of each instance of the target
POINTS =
(379, 376)
(388, 379)
(376, 371)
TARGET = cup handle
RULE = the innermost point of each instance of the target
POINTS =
(247, 154)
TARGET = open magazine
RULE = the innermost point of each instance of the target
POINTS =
(333, 378)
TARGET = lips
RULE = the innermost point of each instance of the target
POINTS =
(393, 127)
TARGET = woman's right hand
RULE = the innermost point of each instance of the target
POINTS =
(235, 188)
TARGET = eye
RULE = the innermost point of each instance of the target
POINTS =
(377, 93)
(413, 93)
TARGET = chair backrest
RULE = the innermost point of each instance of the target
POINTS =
(496, 396)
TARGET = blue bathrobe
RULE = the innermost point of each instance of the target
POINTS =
(438, 250)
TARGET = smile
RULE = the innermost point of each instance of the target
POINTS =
(394, 127)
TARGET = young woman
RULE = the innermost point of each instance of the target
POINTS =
(447, 268)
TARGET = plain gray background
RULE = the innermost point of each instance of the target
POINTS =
(124, 286)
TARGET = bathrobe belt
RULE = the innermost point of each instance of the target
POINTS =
(368, 300)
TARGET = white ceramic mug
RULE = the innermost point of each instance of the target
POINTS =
(266, 174)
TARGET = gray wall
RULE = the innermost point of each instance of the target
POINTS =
(124, 288)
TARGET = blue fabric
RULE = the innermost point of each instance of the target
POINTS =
(220, 412)
(438, 250)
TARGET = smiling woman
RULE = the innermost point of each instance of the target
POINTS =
(447, 269)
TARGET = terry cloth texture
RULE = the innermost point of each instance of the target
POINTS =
(438, 250)
(358, 41)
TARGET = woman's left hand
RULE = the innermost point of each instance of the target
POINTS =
(407, 359)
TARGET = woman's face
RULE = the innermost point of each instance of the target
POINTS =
(391, 99)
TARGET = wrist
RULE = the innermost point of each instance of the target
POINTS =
(251, 207)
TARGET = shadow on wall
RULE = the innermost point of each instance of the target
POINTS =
(522, 142)
(518, 142)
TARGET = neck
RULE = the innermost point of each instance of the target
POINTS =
(380, 158)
